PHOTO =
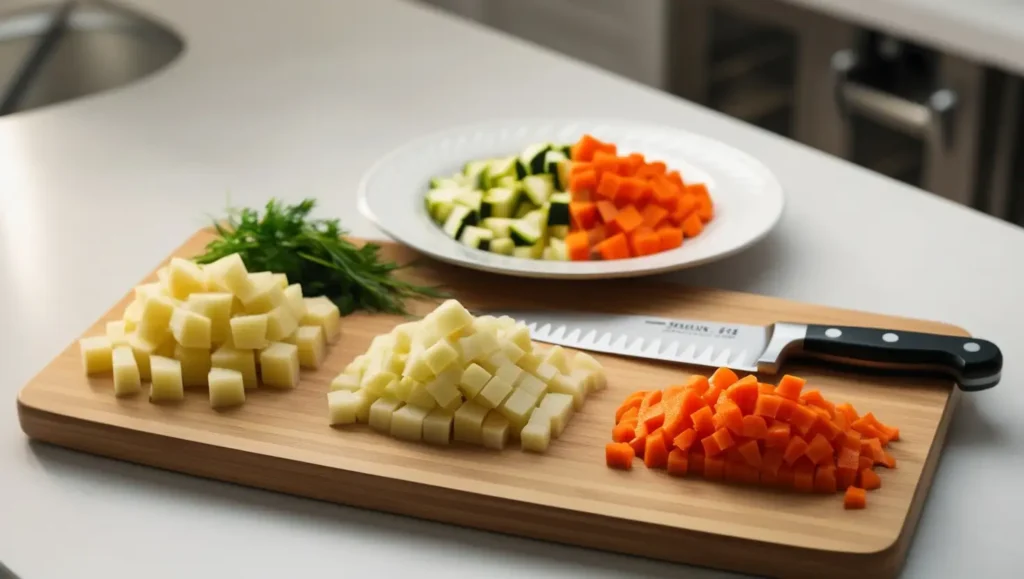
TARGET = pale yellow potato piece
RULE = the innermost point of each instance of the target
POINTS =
(132, 315)
(437, 426)
(417, 369)
(281, 280)
(403, 387)
(512, 351)
(280, 323)
(126, 372)
(450, 317)
(97, 354)
(407, 423)
(321, 311)
(117, 333)
(468, 422)
(557, 357)
(574, 387)
(267, 296)
(494, 432)
(217, 307)
(473, 380)
(559, 408)
(279, 365)
(376, 382)
(147, 290)
(227, 387)
(167, 383)
(229, 273)
(242, 361)
(293, 299)
(381, 412)
(166, 348)
(510, 373)
(494, 393)
(536, 435)
(533, 385)
(486, 344)
(156, 318)
(142, 349)
(195, 365)
(518, 407)
(440, 356)
(345, 382)
(419, 397)
(345, 406)
(184, 277)
(444, 387)
(585, 362)
(403, 334)
(249, 332)
(495, 361)
(519, 335)
(190, 329)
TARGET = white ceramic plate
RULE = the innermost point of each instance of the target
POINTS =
(748, 198)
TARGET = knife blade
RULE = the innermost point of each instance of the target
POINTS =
(973, 363)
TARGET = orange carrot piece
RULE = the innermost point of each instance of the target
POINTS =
(724, 438)
(703, 422)
(785, 476)
(849, 411)
(698, 384)
(786, 408)
(855, 498)
(888, 460)
(705, 207)
(628, 219)
(803, 419)
(845, 478)
(615, 247)
(639, 440)
(577, 246)
(596, 234)
(713, 394)
(755, 428)
(872, 447)
(850, 439)
(686, 206)
(771, 460)
(584, 215)
(630, 191)
(645, 241)
(653, 417)
(777, 436)
(763, 388)
(728, 415)
(869, 431)
(710, 446)
(803, 477)
(751, 453)
(697, 460)
(655, 451)
(794, 450)
(631, 415)
(790, 387)
(819, 450)
(825, 479)
(692, 402)
(650, 399)
(744, 393)
(869, 480)
(587, 146)
(665, 194)
(633, 401)
(652, 169)
(634, 161)
(670, 237)
(692, 226)
(685, 439)
(714, 467)
(864, 462)
(619, 455)
(606, 210)
(624, 431)
(608, 186)
(653, 215)
(580, 166)
(677, 462)
(849, 458)
(676, 420)
(723, 378)
(767, 405)
(583, 181)
(676, 179)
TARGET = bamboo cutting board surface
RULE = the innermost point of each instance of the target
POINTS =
(281, 441)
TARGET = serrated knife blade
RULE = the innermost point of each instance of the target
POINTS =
(975, 364)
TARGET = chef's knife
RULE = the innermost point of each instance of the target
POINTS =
(974, 364)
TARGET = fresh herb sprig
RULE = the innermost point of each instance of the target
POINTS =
(315, 254)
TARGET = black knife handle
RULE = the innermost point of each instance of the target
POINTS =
(975, 364)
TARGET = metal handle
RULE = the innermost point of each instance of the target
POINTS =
(930, 120)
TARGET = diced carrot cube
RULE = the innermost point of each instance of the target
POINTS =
(865, 461)
(819, 450)
(676, 179)
(767, 405)
(584, 215)
(744, 393)
(888, 460)
(803, 419)
(848, 458)
(596, 234)
(665, 194)
(794, 449)
(577, 246)
(651, 169)
(869, 480)
(624, 431)
(825, 479)
(619, 455)
(751, 453)
(714, 467)
(669, 237)
(729, 416)
(685, 439)
(803, 477)
(686, 205)
(845, 478)
(855, 498)
(653, 215)
(606, 210)
(710, 446)
(655, 452)
(608, 186)
(703, 422)
(790, 387)
(697, 460)
(755, 427)
(677, 462)
(698, 384)
(644, 241)
(692, 226)
(777, 435)
(585, 148)
(628, 219)
(630, 192)
(771, 460)
(615, 247)
(723, 378)
(639, 440)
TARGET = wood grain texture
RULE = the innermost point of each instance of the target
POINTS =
(281, 441)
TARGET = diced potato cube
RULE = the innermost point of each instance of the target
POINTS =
(190, 329)
(536, 435)
(117, 333)
(185, 277)
(322, 312)
(142, 350)
(217, 308)
(166, 349)
(407, 423)
(147, 290)
(495, 361)
(474, 378)
(546, 372)
(281, 280)
(510, 373)
(506, 323)
(391, 391)
(311, 344)
(132, 315)
(585, 378)
(443, 389)
(167, 382)
(486, 324)
(293, 300)
(381, 412)
(376, 382)
(450, 317)
(559, 408)
(404, 387)
(227, 387)
(427, 334)
(229, 273)
(417, 369)
(529, 362)
(494, 393)
(195, 365)
(511, 350)
(97, 354)
(486, 345)
(440, 356)
(468, 422)
(345, 382)
(345, 406)
(558, 358)
(126, 372)
(419, 397)
(518, 407)
(587, 362)
(249, 332)
(242, 361)
(156, 318)
(279, 365)
(437, 426)
(563, 384)
(468, 349)
(266, 297)
(494, 431)
(533, 385)
(357, 366)
(520, 336)
(280, 323)
(403, 334)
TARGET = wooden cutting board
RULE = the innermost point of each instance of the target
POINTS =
(281, 441)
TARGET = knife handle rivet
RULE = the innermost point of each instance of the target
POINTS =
(890, 337)
(972, 346)
(833, 332)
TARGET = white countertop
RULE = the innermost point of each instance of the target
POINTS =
(987, 31)
(297, 99)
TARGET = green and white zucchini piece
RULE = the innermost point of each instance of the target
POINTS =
(473, 172)
(498, 168)
(561, 175)
(476, 237)
(469, 198)
(525, 208)
(499, 225)
(538, 188)
(457, 220)
(503, 246)
(524, 232)
(499, 202)
(535, 251)
(558, 231)
(531, 160)
(440, 203)
(555, 251)
(558, 211)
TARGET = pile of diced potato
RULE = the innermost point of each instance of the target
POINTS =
(216, 326)
(478, 380)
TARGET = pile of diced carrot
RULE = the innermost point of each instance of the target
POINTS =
(743, 431)
(626, 206)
